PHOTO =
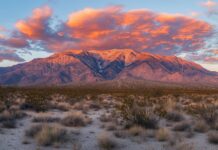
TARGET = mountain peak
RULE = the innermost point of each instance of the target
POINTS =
(75, 66)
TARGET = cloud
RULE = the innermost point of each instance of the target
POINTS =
(109, 28)
(141, 30)
(36, 26)
(207, 56)
(211, 6)
(14, 42)
(2, 29)
(10, 55)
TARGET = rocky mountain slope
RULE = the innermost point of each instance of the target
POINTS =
(78, 66)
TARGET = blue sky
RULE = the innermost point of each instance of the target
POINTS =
(12, 11)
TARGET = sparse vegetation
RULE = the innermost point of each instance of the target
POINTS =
(182, 126)
(106, 141)
(201, 126)
(75, 119)
(45, 119)
(47, 135)
(126, 115)
(162, 134)
(174, 116)
(213, 137)
(136, 131)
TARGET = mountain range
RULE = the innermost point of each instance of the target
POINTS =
(91, 66)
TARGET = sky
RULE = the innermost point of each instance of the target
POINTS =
(32, 29)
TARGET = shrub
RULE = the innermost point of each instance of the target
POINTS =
(62, 106)
(110, 126)
(213, 137)
(33, 130)
(136, 114)
(8, 118)
(209, 113)
(47, 135)
(162, 134)
(182, 126)
(105, 118)
(45, 119)
(106, 141)
(201, 126)
(136, 131)
(120, 134)
(76, 119)
(174, 116)
(50, 135)
(9, 124)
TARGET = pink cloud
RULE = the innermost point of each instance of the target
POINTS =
(109, 28)
(141, 30)
(36, 25)
(210, 4)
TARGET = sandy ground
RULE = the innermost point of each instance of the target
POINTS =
(86, 137)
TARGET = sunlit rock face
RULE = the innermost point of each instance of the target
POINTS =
(77, 66)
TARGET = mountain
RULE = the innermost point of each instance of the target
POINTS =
(81, 66)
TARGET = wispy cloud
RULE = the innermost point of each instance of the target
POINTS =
(9, 55)
(211, 6)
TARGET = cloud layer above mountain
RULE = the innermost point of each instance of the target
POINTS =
(109, 28)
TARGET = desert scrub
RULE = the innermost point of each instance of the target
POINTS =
(213, 137)
(36, 100)
(201, 126)
(45, 119)
(138, 113)
(207, 112)
(106, 141)
(75, 119)
(182, 126)
(162, 134)
(136, 131)
(174, 116)
(8, 118)
(120, 134)
(47, 135)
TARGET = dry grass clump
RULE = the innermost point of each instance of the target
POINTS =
(136, 131)
(162, 134)
(8, 118)
(207, 112)
(79, 106)
(62, 106)
(213, 137)
(33, 130)
(45, 119)
(105, 118)
(111, 126)
(47, 135)
(106, 141)
(201, 126)
(182, 126)
(120, 133)
(76, 119)
(184, 146)
(174, 116)
(2, 106)
(139, 112)
(95, 106)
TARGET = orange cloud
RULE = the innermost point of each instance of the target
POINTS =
(111, 28)
(35, 26)
(142, 30)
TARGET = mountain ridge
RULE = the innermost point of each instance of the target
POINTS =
(74, 66)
